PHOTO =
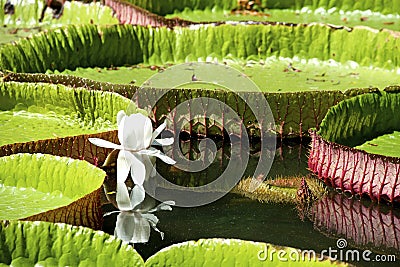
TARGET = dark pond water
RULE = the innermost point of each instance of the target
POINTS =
(364, 225)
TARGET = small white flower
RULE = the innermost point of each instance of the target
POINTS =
(135, 133)
(133, 225)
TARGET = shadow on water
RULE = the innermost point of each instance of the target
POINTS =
(362, 224)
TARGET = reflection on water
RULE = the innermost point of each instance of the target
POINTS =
(362, 223)
(288, 160)
(234, 216)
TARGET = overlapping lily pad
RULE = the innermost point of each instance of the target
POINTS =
(74, 47)
(27, 14)
(79, 46)
(231, 252)
(336, 154)
(383, 145)
(169, 6)
(50, 188)
(47, 244)
(71, 47)
(32, 112)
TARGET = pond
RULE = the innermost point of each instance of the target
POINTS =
(234, 216)
(304, 56)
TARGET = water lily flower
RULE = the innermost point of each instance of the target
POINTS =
(133, 224)
(135, 133)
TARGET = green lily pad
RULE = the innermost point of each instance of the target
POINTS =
(32, 184)
(231, 252)
(27, 14)
(360, 119)
(270, 75)
(31, 112)
(293, 112)
(25, 21)
(305, 15)
(386, 145)
(170, 6)
(48, 244)
(361, 122)
(79, 46)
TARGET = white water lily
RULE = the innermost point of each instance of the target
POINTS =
(135, 133)
(133, 225)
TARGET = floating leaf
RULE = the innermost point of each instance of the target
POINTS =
(48, 244)
(27, 14)
(31, 112)
(71, 46)
(171, 6)
(383, 145)
(230, 252)
(352, 122)
(50, 188)
(294, 113)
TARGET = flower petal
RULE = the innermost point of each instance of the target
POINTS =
(132, 227)
(138, 169)
(153, 220)
(122, 197)
(158, 131)
(166, 205)
(141, 232)
(157, 153)
(104, 143)
(121, 114)
(111, 212)
(137, 195)
(149, 163)
(124, 226)
(163, 142)
(135, 131)
(124, 162)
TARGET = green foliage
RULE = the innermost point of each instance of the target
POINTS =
(163, 7)
(279, 190)
(35, 183)
(27, 14)
(383, 145)
(43, 111)
(230, 252)
(80, 46)
(356, 120)
(383, 6)
(47, 244)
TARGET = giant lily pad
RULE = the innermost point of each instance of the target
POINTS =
(332, 14)
(350, 126)
(31, 112)
(79, 46)
(171, 6)
(270, 75)
(383, 145)
(48, 244)
(27, 14)
(231, 252)
(50, 188)
(25, 20)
